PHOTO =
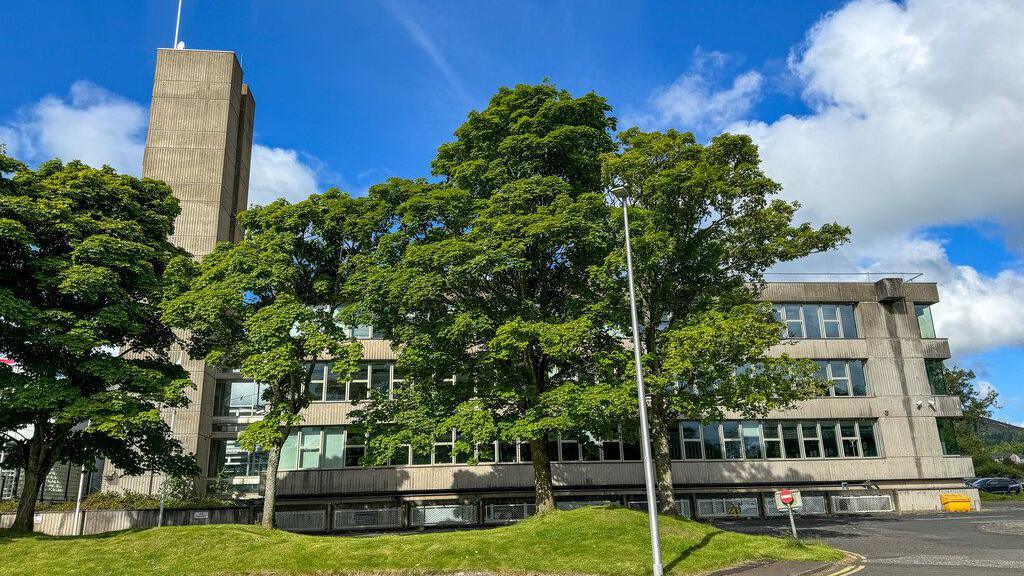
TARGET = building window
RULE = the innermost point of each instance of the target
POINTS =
(936, 377)
(229, 460)
(816, 320)
(947, 436)
(924, 320)
(844, 377)
(691, 440)
(753, 440)
(238, 398)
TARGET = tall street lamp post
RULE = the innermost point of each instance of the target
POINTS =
(621, 193)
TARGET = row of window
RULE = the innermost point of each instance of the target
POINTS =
(816, 320)
(770, 439)
(327, 447)
(243, 398)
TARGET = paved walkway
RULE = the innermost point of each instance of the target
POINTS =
(990, 542)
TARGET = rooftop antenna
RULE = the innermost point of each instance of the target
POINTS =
(177, 24)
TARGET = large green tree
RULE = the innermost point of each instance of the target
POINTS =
(275, 302)
(705, 227)
(490, 274)
(81, 280)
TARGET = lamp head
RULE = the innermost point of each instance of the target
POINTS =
(620, 192)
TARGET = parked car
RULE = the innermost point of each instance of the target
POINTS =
(969, 482)
(999, 485)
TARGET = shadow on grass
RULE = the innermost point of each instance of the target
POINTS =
(691, 549)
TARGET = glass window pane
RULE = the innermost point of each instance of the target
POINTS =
(691, 429)
(675, 447)
(791, 440)
(947, 436)
(924, 320)
(354, 456)
(525, 455)
(712, 443)
(358, 390)
(860, 386)
(290, 452)
(731, 429)
(692, 450)
(310, 438)
(849, 322)
(936, 376)
(442, 454)
(794, 329)
(380, 378)
(752, 440)
(570, 451)
(811, 321)
(506, 452)
(335, 387)
(611, 450)
(867, 439)
(631, 451)
(334, 446)
(771, 429)
(829, 440)
(772, 449)
(362, 331)
(591, 451)
(316, 390)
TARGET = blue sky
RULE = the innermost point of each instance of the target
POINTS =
(903, 120)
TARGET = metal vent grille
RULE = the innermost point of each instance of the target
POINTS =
(575, 504)
(727, 507)
(862, 504)
(363, 519)
(299, 520)
(812, 505)
(502, 513)
(445, 514)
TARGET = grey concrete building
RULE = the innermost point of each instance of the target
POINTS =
(877, 441)
(200, 143)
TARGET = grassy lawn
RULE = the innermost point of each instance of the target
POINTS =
(584, 541)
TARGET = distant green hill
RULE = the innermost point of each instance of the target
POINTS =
(995, 432)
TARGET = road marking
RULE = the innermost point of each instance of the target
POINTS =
(847, 571)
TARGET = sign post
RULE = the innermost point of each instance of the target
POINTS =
(787, 501)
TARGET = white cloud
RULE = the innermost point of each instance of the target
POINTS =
(279, 173)
(918, 117)
(100, 127)
(92, 125)
(694, 101)
(917, 121)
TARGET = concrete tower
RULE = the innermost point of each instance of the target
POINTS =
(200, 143)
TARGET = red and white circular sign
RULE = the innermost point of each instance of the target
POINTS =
(785, 496)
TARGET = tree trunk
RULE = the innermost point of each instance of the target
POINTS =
(36, 469)
(662, 456)
(270, 486)
(542, 475)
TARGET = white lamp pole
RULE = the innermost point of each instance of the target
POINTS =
(645, 436)
(81, 486)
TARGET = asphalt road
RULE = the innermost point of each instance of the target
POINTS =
(990, 542)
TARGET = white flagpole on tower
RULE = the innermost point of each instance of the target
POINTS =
(177, 23)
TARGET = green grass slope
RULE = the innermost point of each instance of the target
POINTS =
(584, 541)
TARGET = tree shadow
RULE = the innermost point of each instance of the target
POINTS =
(684, 554)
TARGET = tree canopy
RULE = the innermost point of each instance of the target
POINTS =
(81, 283)
(705, 227)
(274, 302)
(489, 275)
